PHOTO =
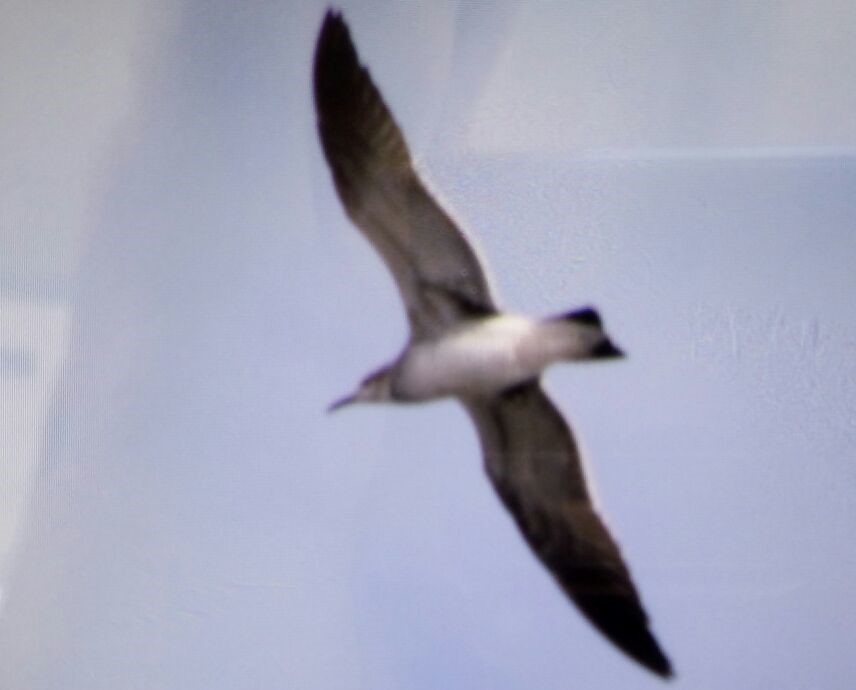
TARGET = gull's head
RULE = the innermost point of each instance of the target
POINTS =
(376, 387)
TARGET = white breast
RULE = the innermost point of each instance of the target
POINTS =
(482, 358)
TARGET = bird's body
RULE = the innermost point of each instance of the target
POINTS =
(462, 346)
(485, 356)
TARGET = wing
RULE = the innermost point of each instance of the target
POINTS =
(436, 270)
(533, 462)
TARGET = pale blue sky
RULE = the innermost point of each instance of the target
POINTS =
(185, 515)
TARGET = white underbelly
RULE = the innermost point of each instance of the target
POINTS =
(479, 360)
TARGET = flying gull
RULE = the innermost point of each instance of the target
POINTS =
(462, 346)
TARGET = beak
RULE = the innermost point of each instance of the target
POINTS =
(341, 402)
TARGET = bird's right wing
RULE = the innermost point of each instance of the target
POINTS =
(535, 467)
(435, 268)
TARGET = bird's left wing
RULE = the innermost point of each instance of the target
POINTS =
(435, 268)
(533, 462)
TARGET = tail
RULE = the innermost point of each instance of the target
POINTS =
(601, 346)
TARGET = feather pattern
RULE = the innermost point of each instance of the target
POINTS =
(435, 268)
(533, 462)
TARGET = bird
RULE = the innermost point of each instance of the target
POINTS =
(462, 346)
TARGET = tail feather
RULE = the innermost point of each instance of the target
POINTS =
(606, 349)
(587, 316)
(590, 338)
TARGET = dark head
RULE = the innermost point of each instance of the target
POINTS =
(591, 341)
(376, 387)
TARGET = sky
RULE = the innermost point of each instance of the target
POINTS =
(181, 296)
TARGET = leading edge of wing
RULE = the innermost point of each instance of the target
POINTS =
(435, 268)
(533, 462)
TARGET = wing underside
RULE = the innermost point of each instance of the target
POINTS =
(435, 268)
(533, 462)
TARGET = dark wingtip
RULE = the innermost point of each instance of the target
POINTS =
(332, 17)
(357, 131)
(586, 316)
(655, 660)
(335, 57)
(658, 663)
(624, 622)
(332, 25)
(661, 667)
